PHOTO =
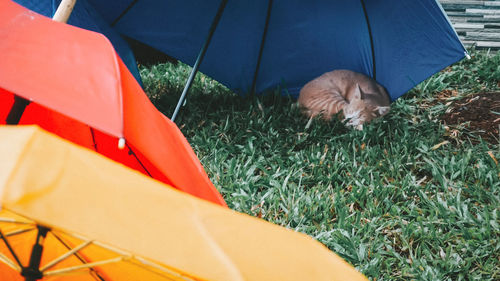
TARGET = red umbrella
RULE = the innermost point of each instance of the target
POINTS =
(76, 86)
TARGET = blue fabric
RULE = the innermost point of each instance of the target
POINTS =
(412, 39)
(85, 16)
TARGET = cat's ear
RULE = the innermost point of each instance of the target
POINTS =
(358, 93)
(382, 110)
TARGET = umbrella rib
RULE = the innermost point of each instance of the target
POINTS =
(102, 245)
(17, 232)
(93, 138)
(65, 255)
(83, 266)
(96, 274)
(9, 263)
(137, 158)
(4, 238)
(140, 259)
(261, 50)
(374, 68)
(124, 12)
(9, 220)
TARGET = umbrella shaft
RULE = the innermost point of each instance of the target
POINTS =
(32, 272)
(196, 65)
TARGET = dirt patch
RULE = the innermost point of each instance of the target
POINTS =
(478, 113)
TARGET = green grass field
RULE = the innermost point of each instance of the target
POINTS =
(401, 200)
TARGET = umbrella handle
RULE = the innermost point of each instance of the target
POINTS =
(64, 10)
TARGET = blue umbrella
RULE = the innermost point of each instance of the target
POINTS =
(254, 46)
(258, 45)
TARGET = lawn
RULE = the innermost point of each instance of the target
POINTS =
(407, 198)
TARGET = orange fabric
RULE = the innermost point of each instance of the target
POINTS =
(180, 158)
(82, 91)
(55, 64)
(74, 190)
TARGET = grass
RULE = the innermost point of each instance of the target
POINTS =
(388, 199)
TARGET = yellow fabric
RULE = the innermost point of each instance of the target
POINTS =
(75, 190)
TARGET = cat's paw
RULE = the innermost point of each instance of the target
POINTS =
(382, 110)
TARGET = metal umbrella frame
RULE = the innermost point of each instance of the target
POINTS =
(33, 271)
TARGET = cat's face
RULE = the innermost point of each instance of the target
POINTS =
(359, 111)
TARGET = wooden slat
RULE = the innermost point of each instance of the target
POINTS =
(476, 22)
(485, 20)
(478, 36)
(483, 11)
(478, 30)
(469, 25)
(492, 4)
(483, 44)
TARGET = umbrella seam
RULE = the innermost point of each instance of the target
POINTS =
(370, 35)
(124, 12)
(118, 81)
(20, 159)
(217, 249)
(12, 88)
(262, 43)
(143, 263)
(443, 12)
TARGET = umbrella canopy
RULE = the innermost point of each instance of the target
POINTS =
(84, 16)
(267, 43)
(80, 89)
(118, 224)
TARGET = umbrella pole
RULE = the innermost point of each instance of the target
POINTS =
(32, 272)
(64, 10)
(196, 65)
(16, 112)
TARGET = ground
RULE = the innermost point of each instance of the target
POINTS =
(477, 113)
(413, 196)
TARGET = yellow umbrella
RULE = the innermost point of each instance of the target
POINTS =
(105, 221)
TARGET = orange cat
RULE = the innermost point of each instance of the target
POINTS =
(359, 97)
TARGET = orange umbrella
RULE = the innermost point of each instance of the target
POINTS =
(102, 221)
(77, 87)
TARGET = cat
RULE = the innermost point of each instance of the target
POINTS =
(359, 97)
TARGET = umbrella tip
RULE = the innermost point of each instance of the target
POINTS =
(121, 143)
(467, 55)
